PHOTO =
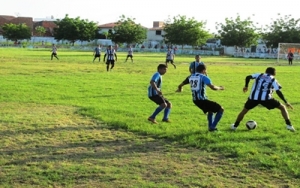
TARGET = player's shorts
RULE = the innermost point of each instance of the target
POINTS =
(97, 55)
(53, 53)
(207, 106)
(129, 56)
(269, 104)
(169, 60)
(158, 99)
(110, 62)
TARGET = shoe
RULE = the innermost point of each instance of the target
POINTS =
(166, 120)
(290, 127)
(152, 120)
(233, 127)
(212, 129)
(179, 89)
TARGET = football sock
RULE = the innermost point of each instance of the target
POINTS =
(288, 122)
(157, 110)
(210, 119)
(166, 113)
(218, 116)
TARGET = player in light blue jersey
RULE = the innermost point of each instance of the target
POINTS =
(97, 53)
(198, 81)
(155, 94)
(192, 68)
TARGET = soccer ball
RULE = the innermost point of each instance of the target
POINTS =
(251, 124)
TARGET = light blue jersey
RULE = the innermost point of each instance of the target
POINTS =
(194, 65)
(198, 82)
(157, 78)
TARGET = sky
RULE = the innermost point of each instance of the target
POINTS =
(145, 12)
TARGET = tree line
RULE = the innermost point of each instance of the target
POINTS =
(179, 30)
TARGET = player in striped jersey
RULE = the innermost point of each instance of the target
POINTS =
(54, 52)
(170, 57)
(262, 93)
(111, 57)
(198, 81)
(192, 69)
(155, 94)
(130, 54)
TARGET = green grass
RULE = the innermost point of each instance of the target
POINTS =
(69, 123)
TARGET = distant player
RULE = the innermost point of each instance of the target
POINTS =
(97, 53)
(155, 95)
(290, 57)
(261, 93)
(192, 69)
(129, 54)
(111, 57)
(170, 57)
(54, 52)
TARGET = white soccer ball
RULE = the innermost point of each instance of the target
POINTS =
(251, 124)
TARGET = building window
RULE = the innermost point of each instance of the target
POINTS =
(158, 32)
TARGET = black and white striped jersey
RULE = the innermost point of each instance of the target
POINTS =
(110, 54)
(263, 87)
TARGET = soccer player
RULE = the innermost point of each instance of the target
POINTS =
(130, 54)
(97, 53)
(290, 57)
(111, 57)
(198, 82)
(261, 93)
(192, 69)
(155, 94)
(54, 52)
(170, 57)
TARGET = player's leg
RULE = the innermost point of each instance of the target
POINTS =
(160, 101)
(107, 65)
(131, 58)
(248, 106)
(112, 64)
(167, 111)
(172, 62)
(94, 58)
(271, 104)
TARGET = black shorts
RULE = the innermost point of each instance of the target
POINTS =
(53, 53)
(129, 56)
(97, 55)
(158, 99)
(269, 104)
(110, 62)
(208, 106)
(169, 60)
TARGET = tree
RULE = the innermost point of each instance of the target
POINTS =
(40, 30)
(75, 29)
(16, 32)
(185, 31)
(237, 32)
(127, 31)
(282, 30)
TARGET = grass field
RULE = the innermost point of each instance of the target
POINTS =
(69, 123)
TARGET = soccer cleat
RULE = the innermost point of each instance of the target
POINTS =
(166, 120)
(233, 127)
(152, 120)
(212, 129)
(290, 127)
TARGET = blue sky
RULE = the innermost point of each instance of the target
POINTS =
(145, 12)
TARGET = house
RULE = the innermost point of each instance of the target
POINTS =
(48, 25)
(4, 19)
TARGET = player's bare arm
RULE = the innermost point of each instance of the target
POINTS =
(153, 84)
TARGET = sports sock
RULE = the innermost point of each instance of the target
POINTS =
(157, 110)
(218, 116)
(166, 113)
(210, 119)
